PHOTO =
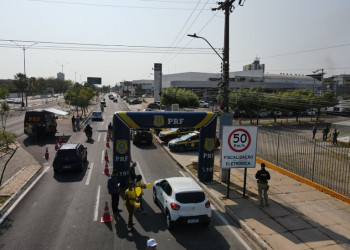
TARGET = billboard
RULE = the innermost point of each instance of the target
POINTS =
(94, 80)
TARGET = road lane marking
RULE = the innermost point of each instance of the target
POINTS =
(97, 202)
(22, 195)
(230, 227)
(99, 137)
(105, 139)
(89, 174)
(140, 171)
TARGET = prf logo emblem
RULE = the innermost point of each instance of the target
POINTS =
(209, 144)
(158, 120)
(122, 146)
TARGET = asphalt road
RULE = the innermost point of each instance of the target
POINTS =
(64, 211)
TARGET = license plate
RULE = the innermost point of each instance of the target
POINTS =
(192, 220)
(65, 167)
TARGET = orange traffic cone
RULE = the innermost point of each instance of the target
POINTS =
(56, 146)
(106, 157)
(60, 140)
(106, 216)
(107, 144)
(106, 171)
(47, 154)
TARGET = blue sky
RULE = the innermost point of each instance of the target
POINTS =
(289, 36)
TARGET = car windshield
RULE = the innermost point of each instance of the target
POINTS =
(185, 137)
(190, 197)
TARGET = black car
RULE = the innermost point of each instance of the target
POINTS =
(142, 136)
(155, 105)
(70, 157)
(135, 101)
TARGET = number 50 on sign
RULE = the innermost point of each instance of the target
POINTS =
(239, 147)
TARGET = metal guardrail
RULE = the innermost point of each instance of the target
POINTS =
(321, 162)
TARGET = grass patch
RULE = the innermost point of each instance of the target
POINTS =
(3, 199)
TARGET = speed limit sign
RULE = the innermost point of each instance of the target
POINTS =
(239, 147)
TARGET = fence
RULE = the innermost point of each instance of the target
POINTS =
(318, 161)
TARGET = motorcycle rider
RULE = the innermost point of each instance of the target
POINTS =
(88, 131)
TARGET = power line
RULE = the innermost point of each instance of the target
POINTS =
(110, 5)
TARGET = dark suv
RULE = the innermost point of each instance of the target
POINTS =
(70, 157)
(142, 136)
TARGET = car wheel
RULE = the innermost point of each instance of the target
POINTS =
(169, 222)
(155, 196)
(181, 148)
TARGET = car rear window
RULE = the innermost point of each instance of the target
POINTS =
(72, 153)
(190, 197)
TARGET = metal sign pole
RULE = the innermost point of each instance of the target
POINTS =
(228, 183)
(245, 182)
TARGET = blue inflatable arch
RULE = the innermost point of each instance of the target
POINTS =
(124, 120)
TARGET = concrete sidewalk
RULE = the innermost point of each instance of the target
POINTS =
(298, 216)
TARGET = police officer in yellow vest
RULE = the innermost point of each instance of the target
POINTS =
(262, 177)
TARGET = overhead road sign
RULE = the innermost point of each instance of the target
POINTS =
(94, 80)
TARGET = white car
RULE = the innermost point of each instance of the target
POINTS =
(96, 115)
(182, 201)
(203, 104)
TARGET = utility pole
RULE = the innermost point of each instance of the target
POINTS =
(24, 67)
(226, 117)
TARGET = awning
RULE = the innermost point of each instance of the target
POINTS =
(56, 111)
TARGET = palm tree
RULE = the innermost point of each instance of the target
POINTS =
(21, 82)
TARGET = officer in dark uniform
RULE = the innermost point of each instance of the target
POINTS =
(262, 177)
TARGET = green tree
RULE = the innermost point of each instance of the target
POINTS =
(4, 113)
(80, 97)
(7, 138)
(183, 97)
(4, 93)
(21, 82)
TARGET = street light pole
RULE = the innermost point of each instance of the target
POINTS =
(24, 65)
(61, 64)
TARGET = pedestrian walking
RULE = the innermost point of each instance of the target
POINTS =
(151, 244)
(110, 128)
(113, 190)
(335, 136)
(77, 122)
(73, 123)
(130, 197)
(141, 185)
(325, 133)
(314, 130)
(262, 177)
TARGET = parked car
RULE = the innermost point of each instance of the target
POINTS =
(154, 105)
(96, 115)
(135, 101)
(17, 101)
(173, 133)
(9, 100)
(182, 201)
(70, 156)
(115, 100)
(203, 104)
(142, 136)
(188, 142)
